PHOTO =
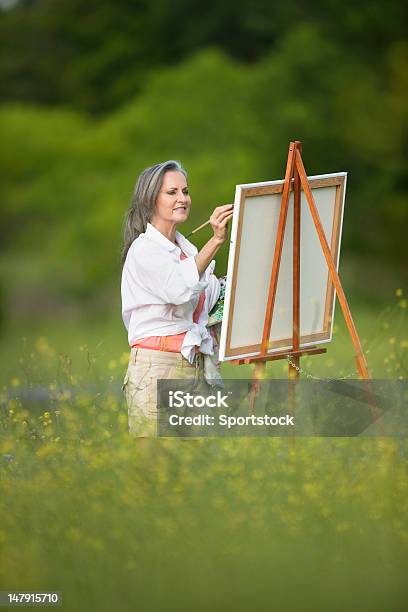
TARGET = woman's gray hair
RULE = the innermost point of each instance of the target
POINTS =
(143, 201)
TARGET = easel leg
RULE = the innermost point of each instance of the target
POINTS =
(360, 358)
(273, 283)
(293, 366)
(257, 376)
(293, 376)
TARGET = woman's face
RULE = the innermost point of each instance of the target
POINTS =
(173, 201)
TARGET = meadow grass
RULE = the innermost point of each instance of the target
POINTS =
(36, 353)
(213, 524)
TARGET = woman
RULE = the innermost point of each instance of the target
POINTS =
(168, 289)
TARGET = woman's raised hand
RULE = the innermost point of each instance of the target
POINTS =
(219, 220)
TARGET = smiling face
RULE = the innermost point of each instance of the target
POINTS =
(173, 201)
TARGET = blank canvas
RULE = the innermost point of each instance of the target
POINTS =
(252, 244)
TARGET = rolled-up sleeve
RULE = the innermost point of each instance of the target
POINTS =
(189, 271)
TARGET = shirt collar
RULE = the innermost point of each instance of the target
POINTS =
(153, 234)
(187, 247)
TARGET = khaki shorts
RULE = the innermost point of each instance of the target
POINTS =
(145, 368)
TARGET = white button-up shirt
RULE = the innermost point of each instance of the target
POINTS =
(160, 292)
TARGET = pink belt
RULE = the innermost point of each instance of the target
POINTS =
(171, 344)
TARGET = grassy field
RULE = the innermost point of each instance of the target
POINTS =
(43, 352)
(312, 524)
(215, 524)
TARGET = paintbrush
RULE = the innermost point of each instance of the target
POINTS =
(200, 227)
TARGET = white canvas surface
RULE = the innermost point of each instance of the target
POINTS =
(258, 239)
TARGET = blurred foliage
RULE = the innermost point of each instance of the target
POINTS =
(94, 55)
(247, 80)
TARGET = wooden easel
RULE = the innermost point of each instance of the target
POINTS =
(295, 170)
